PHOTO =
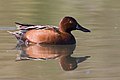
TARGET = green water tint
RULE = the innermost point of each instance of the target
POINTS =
(102, 44)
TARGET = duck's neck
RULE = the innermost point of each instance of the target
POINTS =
(64, 30)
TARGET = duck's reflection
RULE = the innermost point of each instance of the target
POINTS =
(45, 52)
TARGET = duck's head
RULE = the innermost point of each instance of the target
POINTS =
(67, 24)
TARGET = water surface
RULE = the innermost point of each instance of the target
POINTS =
(102, 17)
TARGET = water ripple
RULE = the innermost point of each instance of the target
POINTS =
(7, 28)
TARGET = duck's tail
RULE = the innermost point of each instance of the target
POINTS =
(11, 32)
(17, 34)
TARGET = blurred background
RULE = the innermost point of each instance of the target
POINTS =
(102, 17)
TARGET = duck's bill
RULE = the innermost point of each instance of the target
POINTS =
(79, 27)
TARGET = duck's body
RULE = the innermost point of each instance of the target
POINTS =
(49, 34)
(43, 36)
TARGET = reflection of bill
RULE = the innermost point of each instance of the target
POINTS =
(70, 63)
(45, 52)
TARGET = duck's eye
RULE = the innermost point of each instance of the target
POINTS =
(70, 22)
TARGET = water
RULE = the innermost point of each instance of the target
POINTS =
(102, 45)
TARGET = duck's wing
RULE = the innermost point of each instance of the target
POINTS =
(28, 26)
